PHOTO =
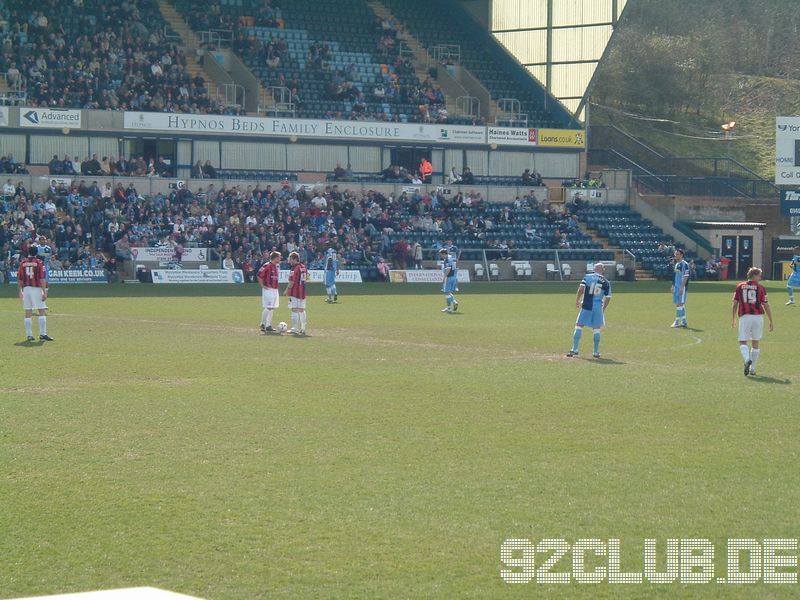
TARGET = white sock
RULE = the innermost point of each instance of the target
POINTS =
(265, 316)
(268, 319)
(303, 321)
(294, 321)
(745, 352)
(29, 326)
(754, 357)
(42, 325)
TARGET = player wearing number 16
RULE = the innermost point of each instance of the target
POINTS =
(592, 299)
(32, 286)
(750, 303)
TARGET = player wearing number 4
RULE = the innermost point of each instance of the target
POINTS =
(794, 278)
(593, 297)
(679, 288)
(33, 293)
(750, 303)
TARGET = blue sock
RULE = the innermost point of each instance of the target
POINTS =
(449, 299)
(597, 342)
(791, 293)
(576, 339)
(680, 314)
(333, 289)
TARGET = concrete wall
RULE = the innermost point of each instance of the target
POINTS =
(147, 185)
(700, 208)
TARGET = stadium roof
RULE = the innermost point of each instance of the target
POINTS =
(560, 42)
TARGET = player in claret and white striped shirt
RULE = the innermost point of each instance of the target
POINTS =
(750, 302)
(32, 285)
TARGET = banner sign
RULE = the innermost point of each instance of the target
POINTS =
(4, 116)
(424, 276)
(790, 203)
(57, 182)
(353, 130)
(59, 276)
(165, 254)
(304, 128)
(49, 117)
(585, 193)
(787, 157)
(198, 276)
(562, 138)
(512, 136)
(318, 276)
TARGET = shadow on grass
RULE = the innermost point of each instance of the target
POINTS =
(601, 361)
(772, 380)
(26, 344)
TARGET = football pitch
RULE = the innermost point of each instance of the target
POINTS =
(163, 440)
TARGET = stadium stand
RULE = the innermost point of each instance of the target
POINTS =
(628, 230)
(102, 55)
(92, 226)
(336, 60)
(435, 23)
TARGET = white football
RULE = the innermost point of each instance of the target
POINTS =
(283, 327)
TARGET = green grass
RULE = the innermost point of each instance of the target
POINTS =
(161, 440)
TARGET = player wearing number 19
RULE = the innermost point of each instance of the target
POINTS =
(750, 303)
(33, 293)
(593, 297)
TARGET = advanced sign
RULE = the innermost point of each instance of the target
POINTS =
(49, 117)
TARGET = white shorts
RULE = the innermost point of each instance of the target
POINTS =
(270, 298)
(297, 303)
(32, 298)
(751, 327)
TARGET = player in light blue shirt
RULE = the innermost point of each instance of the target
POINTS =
(593, 297)
(449, 279)
(45, 253)
(331, 271)
(794, 278)
(680, 287)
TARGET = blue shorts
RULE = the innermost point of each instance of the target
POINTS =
(794, 280)
(591, 318)
(330, 278)
(450, 285)
(678, 298)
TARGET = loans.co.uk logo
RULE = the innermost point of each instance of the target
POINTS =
(685, 560)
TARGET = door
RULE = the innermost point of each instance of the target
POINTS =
(728, 251)
(155, 148)
(745, 256)
(409, 157)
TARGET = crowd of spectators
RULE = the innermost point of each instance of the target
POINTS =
(10, 165)
(99, 55)
(397, 82)
(91, 225)
(106, 167)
